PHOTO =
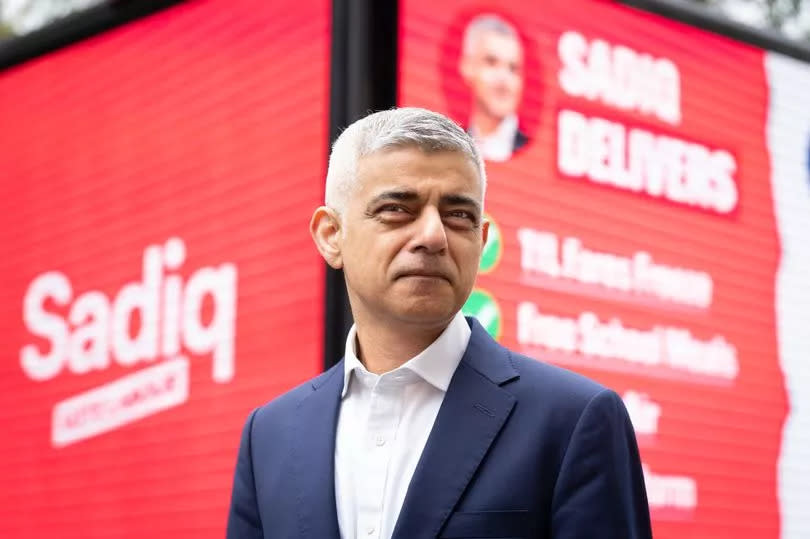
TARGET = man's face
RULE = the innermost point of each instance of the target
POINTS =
(494, 71)
(412, 235)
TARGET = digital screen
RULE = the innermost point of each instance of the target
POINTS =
(649, 199)
(159, 280)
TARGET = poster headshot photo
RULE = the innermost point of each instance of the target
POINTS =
(487, 81)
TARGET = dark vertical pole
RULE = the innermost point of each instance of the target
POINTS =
(363, 79)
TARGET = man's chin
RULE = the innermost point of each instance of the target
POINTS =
(424, 313)
(500, 109)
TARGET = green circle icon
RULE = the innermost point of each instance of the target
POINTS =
(483, 306)
(493, 248)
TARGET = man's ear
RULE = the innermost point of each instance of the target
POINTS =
(325, 230)
(484, 233)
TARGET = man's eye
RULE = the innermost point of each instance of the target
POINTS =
(393, 213)
(461, 214)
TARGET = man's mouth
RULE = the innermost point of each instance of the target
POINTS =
(423, 274)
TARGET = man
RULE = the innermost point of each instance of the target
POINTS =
(492, 66)
(428, 428)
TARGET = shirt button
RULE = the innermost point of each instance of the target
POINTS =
(370, 530)
(380, 442)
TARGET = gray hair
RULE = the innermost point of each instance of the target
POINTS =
(395, 128)
(481, 24)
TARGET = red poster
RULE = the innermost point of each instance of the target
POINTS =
(634, 239)
(158, 276)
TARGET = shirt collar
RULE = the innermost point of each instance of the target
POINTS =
(436, 364)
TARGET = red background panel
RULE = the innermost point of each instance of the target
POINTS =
(725, 436)
(205, 122)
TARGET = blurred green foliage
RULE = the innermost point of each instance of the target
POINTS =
(788, 17)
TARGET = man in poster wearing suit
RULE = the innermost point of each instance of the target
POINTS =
(428, 428)
(491, 65)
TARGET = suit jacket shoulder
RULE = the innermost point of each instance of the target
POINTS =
(520, 141)
(284, 462)
(286, 403)
(548, 391)
(552, 384)
(567, 451)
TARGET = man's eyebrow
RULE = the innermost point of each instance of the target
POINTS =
(460, 200)
(406, 195)
(401, 195)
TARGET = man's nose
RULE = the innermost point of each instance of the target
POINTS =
(429, 235)
(502, 73)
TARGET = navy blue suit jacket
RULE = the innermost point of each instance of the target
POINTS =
(520, 448)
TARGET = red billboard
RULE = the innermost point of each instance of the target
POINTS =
(634, 236)
(159, 280)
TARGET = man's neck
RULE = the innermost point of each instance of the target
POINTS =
(383, 348)
(483, 123)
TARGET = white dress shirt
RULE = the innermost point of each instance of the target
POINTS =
(383, 424)
(498, 145)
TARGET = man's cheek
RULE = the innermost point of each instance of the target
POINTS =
(516, 87)
(488, 76)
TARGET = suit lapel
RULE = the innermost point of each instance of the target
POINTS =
(472, 414)
(313, 458)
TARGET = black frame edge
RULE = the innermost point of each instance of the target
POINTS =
(76, 27)
(706, 19)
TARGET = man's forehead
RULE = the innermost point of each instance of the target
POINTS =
(413, 169)
(408, 160)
